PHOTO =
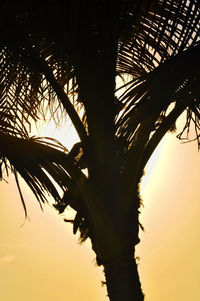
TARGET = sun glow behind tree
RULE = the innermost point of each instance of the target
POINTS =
(46, 243)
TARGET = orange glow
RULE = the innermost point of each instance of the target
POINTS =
(43, 261)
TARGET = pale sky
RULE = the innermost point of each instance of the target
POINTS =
(42, 260)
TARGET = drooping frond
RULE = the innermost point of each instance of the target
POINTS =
(40, 163)
(175, 80)
(161, 54)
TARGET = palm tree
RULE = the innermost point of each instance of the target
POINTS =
(68, 56)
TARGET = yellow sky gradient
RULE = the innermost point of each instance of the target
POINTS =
(43, 261)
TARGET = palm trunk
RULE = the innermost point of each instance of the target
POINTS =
(122, 279)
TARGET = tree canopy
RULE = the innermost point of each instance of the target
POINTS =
(45, 45)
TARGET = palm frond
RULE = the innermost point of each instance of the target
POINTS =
(176, 80)
(35, 68)
(40, 164)
(157, 30)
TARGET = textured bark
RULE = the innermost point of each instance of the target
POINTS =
(122, 279)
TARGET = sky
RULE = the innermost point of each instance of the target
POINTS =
(42, 260)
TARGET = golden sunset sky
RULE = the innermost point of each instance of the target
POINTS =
(41, 260)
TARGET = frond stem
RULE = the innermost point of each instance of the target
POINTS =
(65, 102)
(164, 127)
(68, 106)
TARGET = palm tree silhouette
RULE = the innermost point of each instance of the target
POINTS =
(70, 54)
